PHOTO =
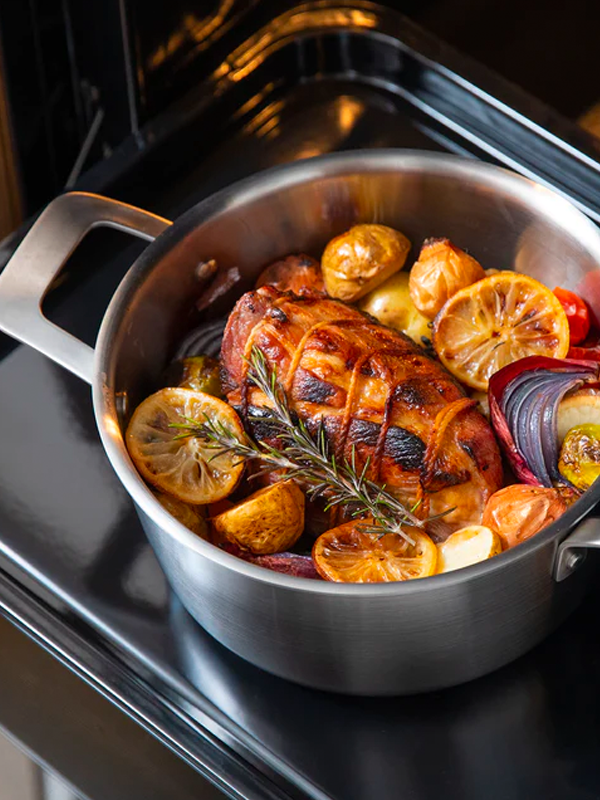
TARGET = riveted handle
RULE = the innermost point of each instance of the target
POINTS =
(571, 551)
(40, 257)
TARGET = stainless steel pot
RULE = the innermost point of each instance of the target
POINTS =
(377, 639)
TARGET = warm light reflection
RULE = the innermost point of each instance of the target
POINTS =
(308, 152)
(111, 427)
(253, 53)
(262, 122)
(347, 111)
(254, 100)
(191, 29)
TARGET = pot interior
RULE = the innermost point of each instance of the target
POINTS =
(503, 220)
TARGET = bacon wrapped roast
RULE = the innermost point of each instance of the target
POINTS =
(376, 393)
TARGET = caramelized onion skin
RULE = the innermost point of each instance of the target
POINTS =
(441, 271)
(518, 512)
(524, 398)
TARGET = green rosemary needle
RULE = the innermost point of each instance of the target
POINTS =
(306, 458)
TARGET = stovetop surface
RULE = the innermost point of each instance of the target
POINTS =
(69, 533)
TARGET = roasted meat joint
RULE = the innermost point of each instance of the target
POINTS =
(383, 402)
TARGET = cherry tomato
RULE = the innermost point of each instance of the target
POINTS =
(585, 352)
(577, 313)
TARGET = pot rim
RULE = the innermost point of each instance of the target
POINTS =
(545, 201)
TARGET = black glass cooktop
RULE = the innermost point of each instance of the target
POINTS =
(78, 574)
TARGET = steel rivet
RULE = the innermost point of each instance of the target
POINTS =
(573, 558)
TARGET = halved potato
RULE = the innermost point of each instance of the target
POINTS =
(580, 408)
(391, 305)
(269, 521)
(468, 546)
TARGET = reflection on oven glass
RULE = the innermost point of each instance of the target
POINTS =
(24, 779)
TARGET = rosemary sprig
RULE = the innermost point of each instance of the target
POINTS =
(306, 458)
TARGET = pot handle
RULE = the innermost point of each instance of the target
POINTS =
(41, 255)
(571, 551)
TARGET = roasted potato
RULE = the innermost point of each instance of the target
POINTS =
(269, 521)
(483, 403)
(183, 512)
(442, 269)
(467, 546)
(391, 305)
(362, 258)
(580, 408)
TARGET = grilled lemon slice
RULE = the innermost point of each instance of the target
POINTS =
(175, 460)
(351, 554)
(496, 321)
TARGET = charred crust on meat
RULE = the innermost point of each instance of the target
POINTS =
(277, 314)
(324, 341)
(402, 446)
(310, 389)
(466, 446)
(367, 370)
(413, 393)
(405, 448)
(441, 479)
(363, 432)
(259, 424)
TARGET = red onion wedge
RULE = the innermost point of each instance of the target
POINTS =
(524, 399)
(286, 563)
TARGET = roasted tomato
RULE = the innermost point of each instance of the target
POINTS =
(442, 269)
(518, 512)
(359, 260)
(577, 313)
(585, 352)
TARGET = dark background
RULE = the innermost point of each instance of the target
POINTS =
(111, 65)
